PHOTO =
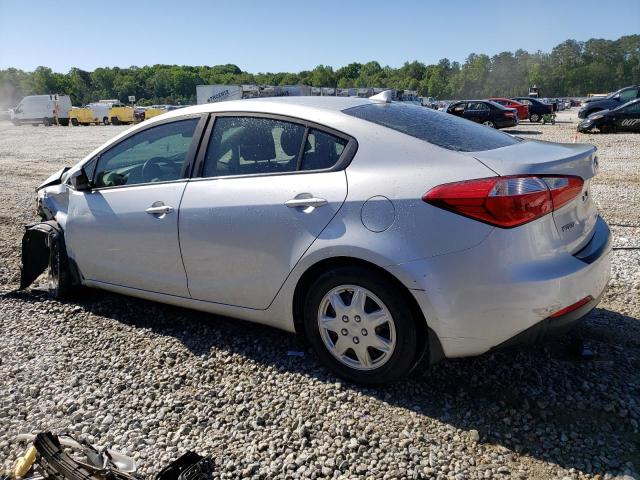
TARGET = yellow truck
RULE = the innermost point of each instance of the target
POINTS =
(153, 111)
(120, 114)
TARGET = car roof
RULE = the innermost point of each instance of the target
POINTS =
(323, 110)
(280, 104)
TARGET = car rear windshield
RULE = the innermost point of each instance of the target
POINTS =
(439, 128)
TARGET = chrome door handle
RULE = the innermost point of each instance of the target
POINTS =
(305, 202)
(159, 210)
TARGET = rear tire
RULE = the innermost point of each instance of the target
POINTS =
(74, 122)
(534, 117)
(489, 123)
(105, 121)
(372, 342)
(115, 121)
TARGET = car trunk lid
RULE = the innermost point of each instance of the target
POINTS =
(575, 220)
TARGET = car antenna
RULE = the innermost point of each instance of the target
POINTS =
(383, 97)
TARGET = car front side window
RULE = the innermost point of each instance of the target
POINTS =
(635, 108)
(628, 95)
(156, 154)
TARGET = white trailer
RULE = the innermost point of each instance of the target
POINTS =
(45, 109)
(101, 111)
(217, 93)
(296, 90)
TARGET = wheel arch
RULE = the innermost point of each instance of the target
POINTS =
(427, 339)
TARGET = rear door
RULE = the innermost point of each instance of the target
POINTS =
(267, 187)
(478, 112)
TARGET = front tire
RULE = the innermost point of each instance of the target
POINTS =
(105, 121)
(115, 121)
(74, 122)
(489, 123)
(59, 279)
(361, 326)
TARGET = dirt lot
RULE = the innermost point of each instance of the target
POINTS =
(155, 381)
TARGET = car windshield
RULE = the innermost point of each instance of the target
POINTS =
(439, 128)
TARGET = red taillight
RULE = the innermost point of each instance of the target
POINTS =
(572, 307)
(505, 202)
(509, 114)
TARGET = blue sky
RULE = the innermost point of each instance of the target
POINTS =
(272, 35)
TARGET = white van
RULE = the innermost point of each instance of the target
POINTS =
(43, 109)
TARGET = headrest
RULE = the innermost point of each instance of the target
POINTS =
(256, 144)
(291, 139)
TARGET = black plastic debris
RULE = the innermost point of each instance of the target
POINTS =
(175, 468)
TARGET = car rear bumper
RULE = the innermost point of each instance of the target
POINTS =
(506, 123)
(480, 298)
(550, 327)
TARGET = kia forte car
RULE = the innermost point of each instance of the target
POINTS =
(383, 232)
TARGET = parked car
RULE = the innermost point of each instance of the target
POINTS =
(42, 109)
(625, 118)
(609, 102)
(485, 112)
(536, 108)
(451, 239)
(522, 109)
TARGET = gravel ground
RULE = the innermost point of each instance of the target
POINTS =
(154, 381)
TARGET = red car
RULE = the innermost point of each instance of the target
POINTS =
(523, 110)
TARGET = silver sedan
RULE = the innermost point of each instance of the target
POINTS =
(384, 232)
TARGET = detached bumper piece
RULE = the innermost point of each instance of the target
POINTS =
(54, 463)
(36, 250)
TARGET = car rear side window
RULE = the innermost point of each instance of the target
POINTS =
(322, 150)
(249, 145)
(439, 128)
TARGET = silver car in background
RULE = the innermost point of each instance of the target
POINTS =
(385, 233)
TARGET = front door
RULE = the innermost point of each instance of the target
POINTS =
(262, 200)
(125, 230)
(628, 118)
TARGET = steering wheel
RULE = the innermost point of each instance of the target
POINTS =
(151, 169)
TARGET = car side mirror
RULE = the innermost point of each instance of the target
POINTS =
(616, 97)
(80, 181)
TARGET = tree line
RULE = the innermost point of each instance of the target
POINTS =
(572, 68)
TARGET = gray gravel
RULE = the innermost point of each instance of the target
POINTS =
(154, 381)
